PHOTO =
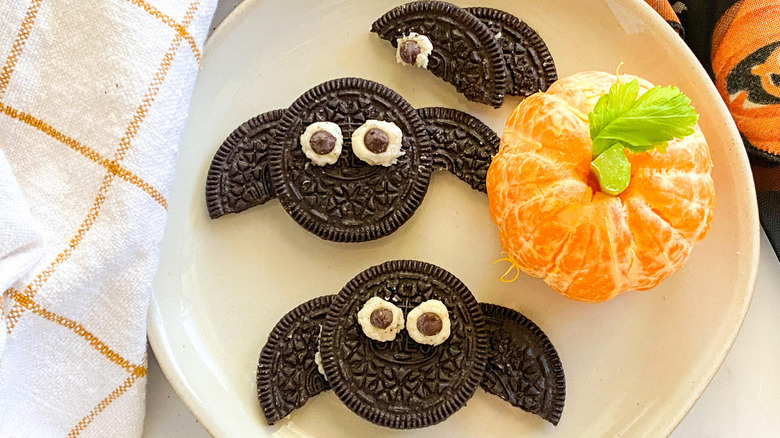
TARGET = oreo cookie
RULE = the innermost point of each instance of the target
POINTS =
(523, 367)
(350, 201)
(531, 67)
(238, 177)
(287, 374)
(400, 383)
(463, 51)
(463, 145)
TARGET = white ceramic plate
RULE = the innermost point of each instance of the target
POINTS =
(634, 365)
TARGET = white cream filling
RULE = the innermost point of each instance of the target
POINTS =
(318, 361)
(432, 306)
(390, 155)
(332, 156)
(425, 45)
(318, 357)
(378, 334)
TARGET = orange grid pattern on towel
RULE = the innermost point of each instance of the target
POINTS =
(24, 300)
(181, 29)
(30, 304)
(18, 46)
(112, 166)
(115, 394)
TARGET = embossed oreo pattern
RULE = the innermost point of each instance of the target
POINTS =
(523, 367)
(238, 177)
(462, 144)
(465, 53)
(350, 201)
(531, 67)
(287, 375)
(403, 384)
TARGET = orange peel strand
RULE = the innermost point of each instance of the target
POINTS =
(512, 265)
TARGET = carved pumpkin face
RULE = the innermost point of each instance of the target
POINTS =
(769, 72)
(746, 63)
(757, 76)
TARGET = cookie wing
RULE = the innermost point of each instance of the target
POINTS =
(238, 177)
(464, 52)
(531, 67)
(523, 367)
(287, 374)
(462, 144)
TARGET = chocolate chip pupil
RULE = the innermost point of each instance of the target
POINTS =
(381, 318)
(409, 51)
(376, 140)
(322, 142)
(429, 324)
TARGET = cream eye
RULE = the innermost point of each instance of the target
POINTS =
(429, 323)
(413, 49)
(378, 143)
(380, 319)
(321, 143)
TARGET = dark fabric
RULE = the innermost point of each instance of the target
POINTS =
(699, 19)
(766, 174)
(769, 210)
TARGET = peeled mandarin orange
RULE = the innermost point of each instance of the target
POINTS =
(556, 224)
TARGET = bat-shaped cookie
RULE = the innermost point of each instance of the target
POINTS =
(404, 345)
(350, 160)
(485, 53)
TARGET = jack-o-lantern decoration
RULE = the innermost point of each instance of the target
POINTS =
(746, 63)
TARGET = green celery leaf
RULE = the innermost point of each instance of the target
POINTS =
(659, 115)
(619, 99)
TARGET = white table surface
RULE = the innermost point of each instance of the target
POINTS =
(743, 400)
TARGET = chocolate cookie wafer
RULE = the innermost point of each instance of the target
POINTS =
(351, 200)
(462, 50)
(463, 145)
(287, 374)
(523, 367)
(402, 383)
(531, 67)
(238, 177)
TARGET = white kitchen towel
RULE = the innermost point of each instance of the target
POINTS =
(94, 95)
